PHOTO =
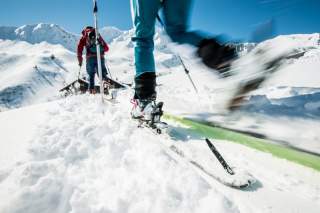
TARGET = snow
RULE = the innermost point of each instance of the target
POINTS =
(94, 159)
(13, 146)
(76, 155)
(29, 71)
(77, 163)
(110, 33)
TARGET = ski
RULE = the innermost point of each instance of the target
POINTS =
(233, 177)
(238, 179)
(239, 99)
(219, 157)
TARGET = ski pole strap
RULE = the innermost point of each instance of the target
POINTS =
(219, 157)
(180, 59)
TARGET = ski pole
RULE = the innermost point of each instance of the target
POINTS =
(180, 59)
(95, 11)
(79, 72)
(219, 157)
(109, 71)
(188, 74)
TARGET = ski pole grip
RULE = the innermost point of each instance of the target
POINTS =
(95, 6)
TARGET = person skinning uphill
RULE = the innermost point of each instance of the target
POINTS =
(212, 52)
(88, 41)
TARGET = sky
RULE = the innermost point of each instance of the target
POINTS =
(237, 19)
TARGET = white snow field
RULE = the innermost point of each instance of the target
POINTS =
(75, 154)
(88, 157)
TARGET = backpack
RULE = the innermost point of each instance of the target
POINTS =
(90, 35)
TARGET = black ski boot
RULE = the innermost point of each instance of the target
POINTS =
(217, 56)
(144, 97)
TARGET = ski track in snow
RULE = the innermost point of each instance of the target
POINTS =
(84, 161)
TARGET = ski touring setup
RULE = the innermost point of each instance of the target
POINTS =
(215, 167)
(81, 85)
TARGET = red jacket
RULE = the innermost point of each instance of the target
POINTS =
(83, 42)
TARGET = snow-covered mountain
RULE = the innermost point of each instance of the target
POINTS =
(110, 33)
(36, 33)
(29, 72)
(51, 33)
(120, 58)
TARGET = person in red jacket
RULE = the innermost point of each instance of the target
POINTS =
(88, 40)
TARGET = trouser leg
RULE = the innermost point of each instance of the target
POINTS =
(91, 69)
(176, 18)
(144, 13)
(103, 69)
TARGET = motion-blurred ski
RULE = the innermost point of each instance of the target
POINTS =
(267, 69)
(232, 177)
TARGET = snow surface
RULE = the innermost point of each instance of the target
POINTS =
(29, 73)
(94, 159)
(75, 155)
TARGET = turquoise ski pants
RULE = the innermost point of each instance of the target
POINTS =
(176, 17)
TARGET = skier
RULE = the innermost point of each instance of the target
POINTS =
(88, 40)
(212, 52)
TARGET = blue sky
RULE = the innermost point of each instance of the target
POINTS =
(236, 18)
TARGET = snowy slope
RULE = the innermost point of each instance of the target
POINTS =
(74, 158)
(76, 165)
(292, 84)
(30, 74)
(51, 33)
(93, 159)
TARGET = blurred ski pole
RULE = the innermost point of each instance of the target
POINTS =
(180, 60)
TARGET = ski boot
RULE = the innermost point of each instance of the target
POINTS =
(217, 56)
(149, 114)
(141, 109)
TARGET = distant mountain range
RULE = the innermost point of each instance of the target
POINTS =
(51, 33)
